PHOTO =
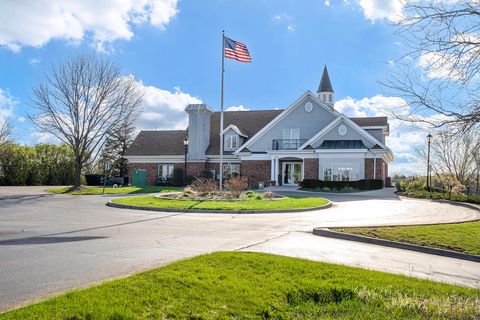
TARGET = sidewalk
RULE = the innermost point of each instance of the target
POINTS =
(392, 260)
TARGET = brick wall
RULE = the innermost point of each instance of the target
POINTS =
(369, 168)
(152, 171)
(310, 169)
(256, 171)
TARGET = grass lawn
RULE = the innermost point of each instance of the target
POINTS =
(110, 190)
(462, 237)
(436, 195)
(251, 204)
(259, 286)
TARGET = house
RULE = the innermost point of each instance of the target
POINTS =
(309, 139)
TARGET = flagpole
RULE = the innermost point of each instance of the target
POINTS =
(221, 114)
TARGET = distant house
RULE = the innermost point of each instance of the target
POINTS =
(309, 139)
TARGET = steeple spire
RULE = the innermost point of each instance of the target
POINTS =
(325, 89)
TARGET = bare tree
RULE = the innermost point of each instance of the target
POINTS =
(5, 131)
(442, 37)
(454, 156)
(80, 102)
(116, 146)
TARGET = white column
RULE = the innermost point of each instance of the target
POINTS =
(277, 169)
(272, 169)
(374, 165)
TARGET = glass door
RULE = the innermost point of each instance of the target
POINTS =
(292, 173)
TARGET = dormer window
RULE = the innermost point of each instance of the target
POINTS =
(231, 142)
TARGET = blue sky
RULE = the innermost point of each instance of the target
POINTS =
(174, 50)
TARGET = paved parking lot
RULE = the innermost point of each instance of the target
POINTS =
(51, 243)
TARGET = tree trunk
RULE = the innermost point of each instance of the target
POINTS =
(78, 173)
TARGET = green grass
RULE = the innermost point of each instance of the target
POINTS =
(110, 190)
(437, 195)
(250, 204)
(462, 237)
(259, 286)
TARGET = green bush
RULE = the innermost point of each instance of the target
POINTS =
(364, 184)
(42, 164)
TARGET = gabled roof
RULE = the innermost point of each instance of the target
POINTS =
(348, 121)
(325, 84)
(248, 122)
(284, 113)
(153, 143)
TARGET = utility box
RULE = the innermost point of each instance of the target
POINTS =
(139, 178)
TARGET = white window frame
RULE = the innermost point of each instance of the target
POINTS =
(170, 168)
(288, 135)
(337, 166)
(231, 142)
(229, 169)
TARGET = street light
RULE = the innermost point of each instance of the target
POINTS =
(185, 143)
(429, 139)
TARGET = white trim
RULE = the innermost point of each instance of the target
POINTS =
(284, 164)
(284, 113)
(227, 138)
(373, 127)
(235, 128)
(353, 125)
(157, 159)
(321, 133)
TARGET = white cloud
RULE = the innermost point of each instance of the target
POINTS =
(163, 109)
(44, 137)
(381, 9)
(403, 138)
(34, 61)
(238, 108)
(7, 102)
(286, 20)
(327, 3)
(35, 23)
(21, 119)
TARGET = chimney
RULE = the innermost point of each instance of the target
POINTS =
(198, 130)
(325, 89)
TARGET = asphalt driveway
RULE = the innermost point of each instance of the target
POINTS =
(51, 243)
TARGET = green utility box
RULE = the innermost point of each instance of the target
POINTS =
(139, 178)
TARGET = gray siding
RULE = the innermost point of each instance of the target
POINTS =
(198, 130)
(378, 134)
(309, 124)
(351, 134)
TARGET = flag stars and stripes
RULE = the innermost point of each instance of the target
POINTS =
(236, 50)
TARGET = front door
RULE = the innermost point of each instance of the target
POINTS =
(292, 173)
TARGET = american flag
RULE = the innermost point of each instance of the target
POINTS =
(236, 50)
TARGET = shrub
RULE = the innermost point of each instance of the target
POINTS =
(364, 184)
(204, 186)
(268, 195)
(235, 185)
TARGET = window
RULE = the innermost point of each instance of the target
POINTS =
(165, 172)
(231, 142)
(231, 169)
(330, 98)
(324, 97)
(341, 170)
(291, 138)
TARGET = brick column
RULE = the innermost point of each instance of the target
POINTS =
(256, 171)
(310, 168)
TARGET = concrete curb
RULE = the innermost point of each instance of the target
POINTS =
(126, 206)
(453, 203)
(325, 232)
